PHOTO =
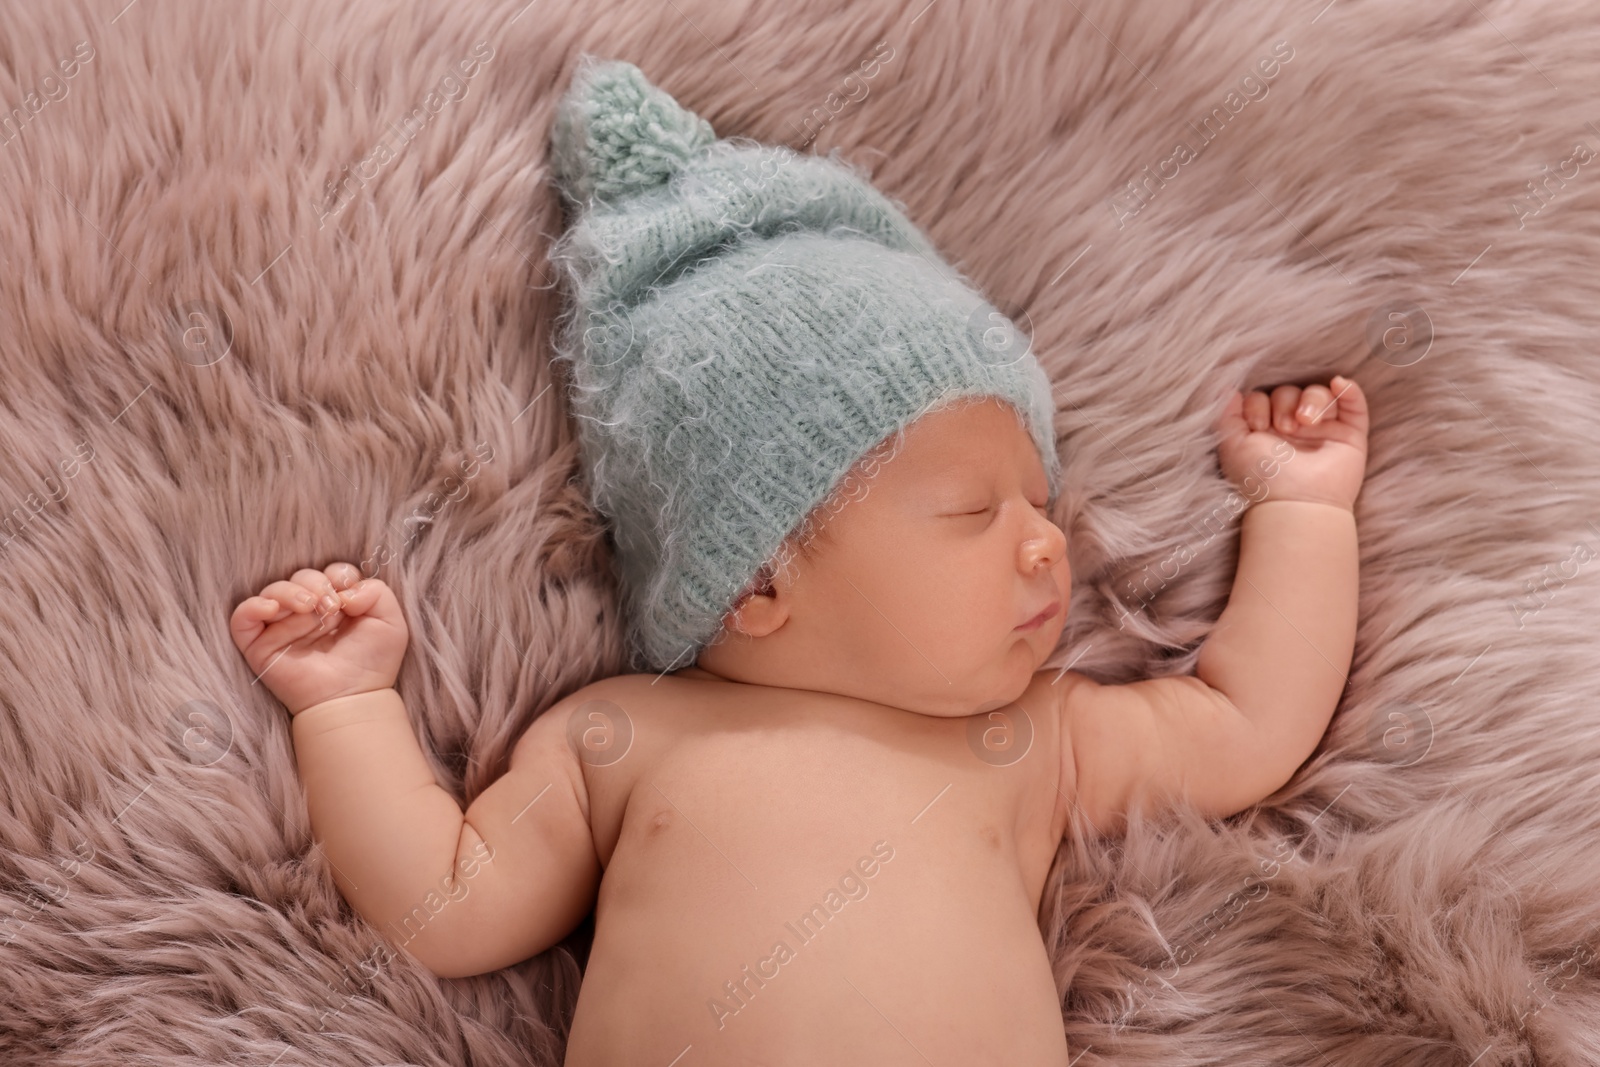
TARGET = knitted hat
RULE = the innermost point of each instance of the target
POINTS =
(744, 324)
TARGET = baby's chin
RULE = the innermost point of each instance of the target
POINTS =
(1000, 685)
(1020, 677)
(960, 687)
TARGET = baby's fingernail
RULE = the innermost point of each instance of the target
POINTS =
(330, 603)
(304, 600)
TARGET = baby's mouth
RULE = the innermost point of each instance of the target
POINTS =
(1044, 616)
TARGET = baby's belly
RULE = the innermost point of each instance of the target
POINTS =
(855, 918)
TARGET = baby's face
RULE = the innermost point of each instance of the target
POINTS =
(917, 593)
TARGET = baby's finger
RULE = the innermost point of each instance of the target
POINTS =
(362, 597)
(251, 616)
(1258, 410)
(342, 575)
(1230, 422)
(280, 635)
(1316, 404)
(1309, 434)
(1284, 400)
(292, 595)
(318, 583)
(1352, 402)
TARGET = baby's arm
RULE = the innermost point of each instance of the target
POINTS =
(466, 893)
(1270, 674)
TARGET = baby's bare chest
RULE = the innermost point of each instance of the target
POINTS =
(734, 789)
(749, 855)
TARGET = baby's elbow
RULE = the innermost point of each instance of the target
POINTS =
(479, 942)
(449, 967)
(427, 937)
(446, 959)
(1261, 776)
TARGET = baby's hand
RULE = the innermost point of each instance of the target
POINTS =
(1326, 433)
(321, 635)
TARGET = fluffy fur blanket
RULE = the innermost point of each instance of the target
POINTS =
(279, 296)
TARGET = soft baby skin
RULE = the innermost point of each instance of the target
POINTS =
(827, 841)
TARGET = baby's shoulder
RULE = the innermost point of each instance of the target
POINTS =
(627, 689)
(610, 714)
(612, 701)
(634, 687)
(627, 694)
(1061, 692)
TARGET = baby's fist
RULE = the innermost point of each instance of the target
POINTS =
(322, 634)
(1313, 440)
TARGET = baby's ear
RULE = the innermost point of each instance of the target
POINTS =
(760, 585)
(756, 612)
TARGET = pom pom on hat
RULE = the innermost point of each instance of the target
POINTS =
(617, 134)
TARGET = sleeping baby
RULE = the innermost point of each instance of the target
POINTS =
(815, 825)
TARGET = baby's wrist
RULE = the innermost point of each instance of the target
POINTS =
(1303, 501)
(341, 700)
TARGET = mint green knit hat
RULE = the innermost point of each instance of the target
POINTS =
(744, 324)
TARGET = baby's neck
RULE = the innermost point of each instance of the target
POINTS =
(698, 672)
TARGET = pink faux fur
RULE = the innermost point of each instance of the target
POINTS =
(279, 296)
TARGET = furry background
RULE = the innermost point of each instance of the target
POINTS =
(272, 304)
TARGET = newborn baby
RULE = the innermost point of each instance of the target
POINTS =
(826, 840)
